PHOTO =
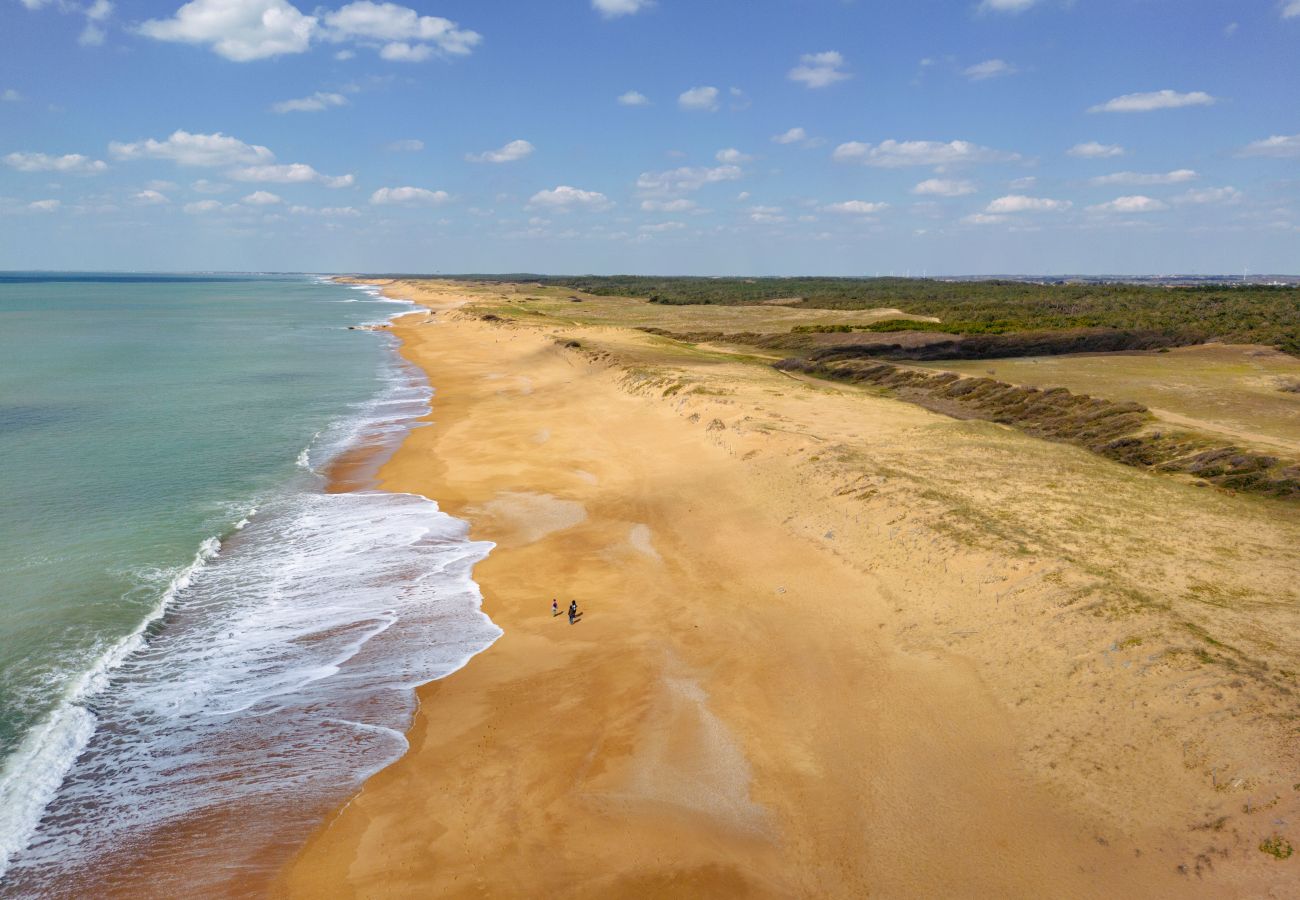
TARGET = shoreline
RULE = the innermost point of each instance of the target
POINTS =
(646, 750)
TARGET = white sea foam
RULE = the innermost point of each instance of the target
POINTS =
(273, 675)
(32, 775)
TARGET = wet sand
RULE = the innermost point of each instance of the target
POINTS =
(737, 712)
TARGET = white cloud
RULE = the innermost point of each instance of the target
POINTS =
(1165, 99)
(151, 197)
(511, 152)
(732, 156)
(564, 198)
(990, 68)
(409, 145)
(400, 51)
(854, 207)
(1023, 183)
(44, 205)
(70, 163)
(612, 9)
(1132, 204)
(699, 98)
(186, 149)
(1290, 9)
(793, 136)
(1282, 146)
(819, 70)
(203, 186)
(159, 185)
(245, 30)
(199, 207)
(1178, 176)
(410, 36)
(679, 205)
(1095, 150)
(409, 196)
(9, 95)
(329, 212)
(239, 30)
(345, 55)
(983, 219)
(766, 215)
(1018, 203)
(290, 173)
(944, 187)
(1210, 195)
(262, 198)
(1007, 6)
(660, 227)
(895, 154)
(315, 103)
(633, 98)
(687, 178)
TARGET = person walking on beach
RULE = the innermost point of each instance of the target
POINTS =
(573, 611)
(555, 607)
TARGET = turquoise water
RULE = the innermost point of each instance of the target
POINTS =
(180, 602)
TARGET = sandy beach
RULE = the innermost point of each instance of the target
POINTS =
(817, 656)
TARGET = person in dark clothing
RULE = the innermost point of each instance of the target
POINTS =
(573, 611)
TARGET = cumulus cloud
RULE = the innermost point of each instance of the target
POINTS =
(328, 212)
(290, 173)
(564, 198)
(678, 205)
(896, 154)
(511, 152)
(1132, 204)
(151, 197)
(819, 70)
(660, 227)
(1095, 150)
(203, 186)
(186, 149)
(69, 163)
(1147, 102)
(1006, 6)
(246, 30)
(1290, 9)
(408, 196)
(699, 98)
(1282, 146)
(612, 9)
(685, 179)
(633, 98)
(262, 198)
(1203, 196)
(854, 207)
(732, 156)
(410, 36)
(1018, 203)
(990, 68)
(44, 205)
(944, 187)
(766, 215)
(315, 103)
(239, 30)
(199, 207)
(9, 95)
(793, 136)
(984, 219)
(1178, 176)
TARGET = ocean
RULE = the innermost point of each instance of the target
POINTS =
(202, 650)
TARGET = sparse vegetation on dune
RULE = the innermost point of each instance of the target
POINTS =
(1120, 431)
(1248, 314)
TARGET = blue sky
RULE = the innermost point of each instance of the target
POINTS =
(674, 136)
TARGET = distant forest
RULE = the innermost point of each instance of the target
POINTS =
(1254, 314)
